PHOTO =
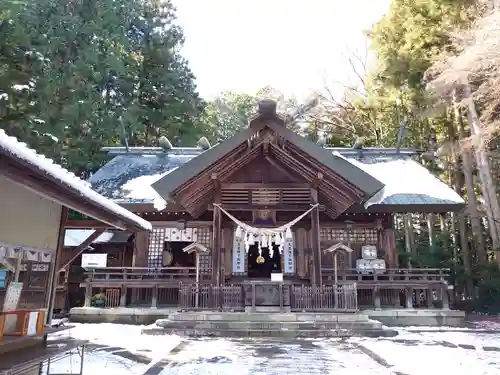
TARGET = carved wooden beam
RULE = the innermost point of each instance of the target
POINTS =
(280, 207)
(283, 170)
(227, 159)
(240, 163)
(265, 147)
(290, 162)
(317, 180)
(343, 184)
(196, 201)
(348, 194)
(265, 185)
(207, 186)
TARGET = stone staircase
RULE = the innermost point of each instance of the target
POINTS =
(285, 325)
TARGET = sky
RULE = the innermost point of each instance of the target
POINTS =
(294, 46)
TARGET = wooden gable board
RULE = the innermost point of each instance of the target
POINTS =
(354, 175)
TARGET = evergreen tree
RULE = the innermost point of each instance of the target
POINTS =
(72, 73)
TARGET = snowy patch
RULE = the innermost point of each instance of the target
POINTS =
(140, 188)
(22, 152)
(423, 356)
(75, 237)
(425, 359)
(122, 336)
(404, 176)
(96, 363)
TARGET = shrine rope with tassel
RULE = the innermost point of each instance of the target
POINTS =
(265, 237)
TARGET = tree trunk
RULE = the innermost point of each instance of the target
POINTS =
(409, 238)
(432, 232)
(483, 166)
(444, 232)
(467, 167)
(458, 184)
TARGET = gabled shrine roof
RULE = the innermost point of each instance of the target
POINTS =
(341, 183)
(408, 185)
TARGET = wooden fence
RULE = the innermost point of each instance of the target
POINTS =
(203, 297)
(342, 298)
(176, 288)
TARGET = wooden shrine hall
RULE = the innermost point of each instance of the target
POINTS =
(269, 218)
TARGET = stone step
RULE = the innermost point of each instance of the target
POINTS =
(267, 325)
(270, 333)
(268, 317)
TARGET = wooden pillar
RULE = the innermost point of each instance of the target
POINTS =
(139, 259)
(216, 246)
(216, 243)
(389, 245)
(409, 238)
(315, 239)
(54, 270)
(141, 245)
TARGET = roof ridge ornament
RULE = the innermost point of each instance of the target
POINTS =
(266, 111)
(204, 143)
(164, 143)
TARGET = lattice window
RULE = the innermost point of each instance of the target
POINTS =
(330, 234)
(155, 247)
(157, 240)
(205, 239)
(363, 236)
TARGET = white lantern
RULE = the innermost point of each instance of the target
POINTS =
(378, 265)
(363, 266)
(369, 252)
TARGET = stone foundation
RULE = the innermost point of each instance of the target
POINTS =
(390, 317)
(418, 318)
(283, 325)
(120, 315)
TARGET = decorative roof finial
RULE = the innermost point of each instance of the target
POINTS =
(203, 143)
(164, 143)
(267, 108)
(358, 144)
(322, 141)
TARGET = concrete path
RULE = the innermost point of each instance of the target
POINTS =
(268, 357)
(410, 354)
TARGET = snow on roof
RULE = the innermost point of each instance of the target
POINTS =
(406, 182)
(140, 188)
(75, 237)
(22, 152)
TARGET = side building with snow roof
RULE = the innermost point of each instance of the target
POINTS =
(36, 196)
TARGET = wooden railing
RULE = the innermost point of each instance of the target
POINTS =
(202, 297)
(292, 298)
(138, 286)
(406, 276)
(169, 287)
(342, 298)
(141, 275)
(396, 288)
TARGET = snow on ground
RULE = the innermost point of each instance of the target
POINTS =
(121, 349)
(122, 336)
(96, 363)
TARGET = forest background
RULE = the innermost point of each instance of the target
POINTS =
(76, 76)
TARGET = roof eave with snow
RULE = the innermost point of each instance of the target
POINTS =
(78, 195)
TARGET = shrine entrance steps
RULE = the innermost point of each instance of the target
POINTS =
(286, 325)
